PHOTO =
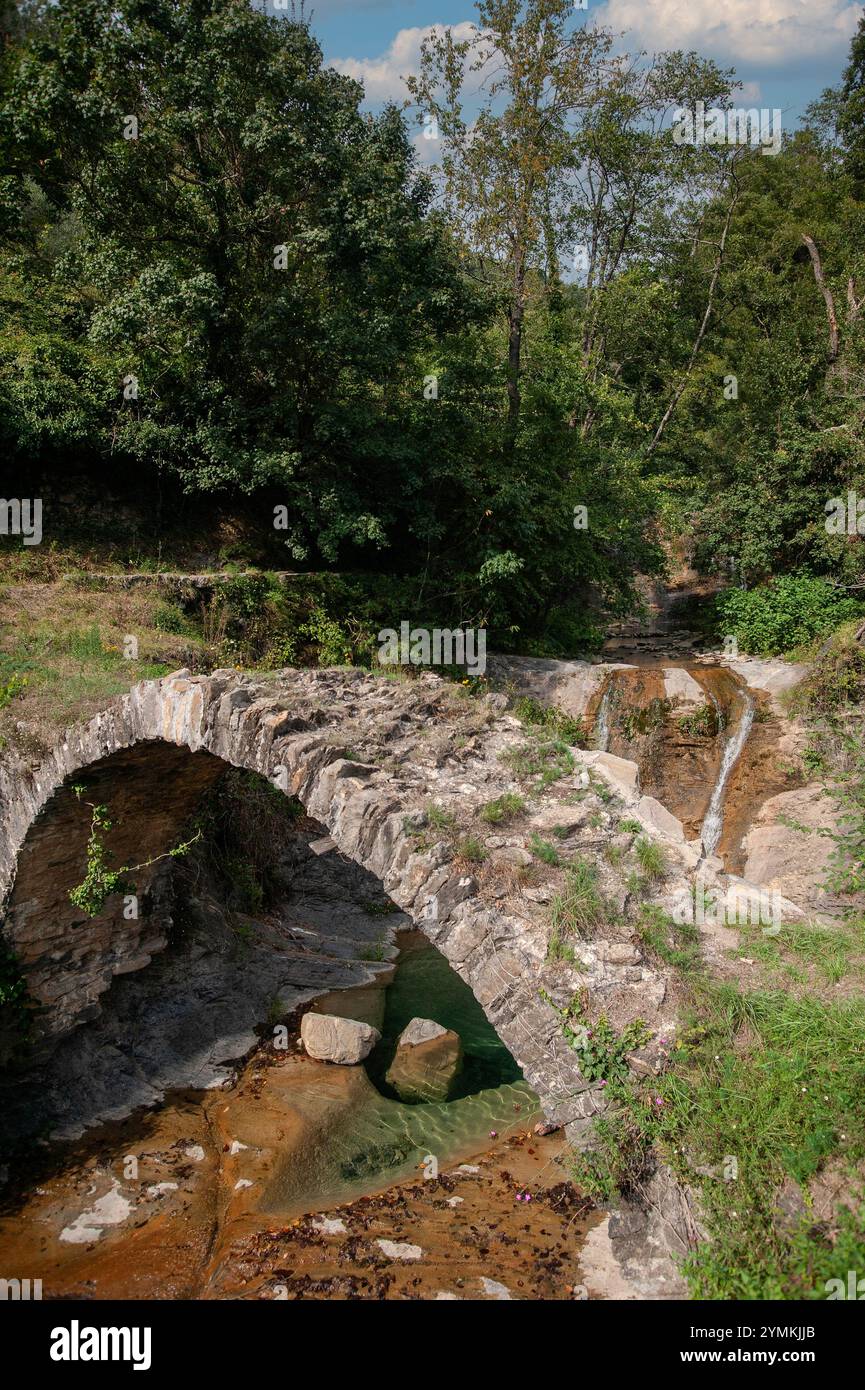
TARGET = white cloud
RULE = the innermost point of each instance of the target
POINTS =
(383, 78)
(745, 31)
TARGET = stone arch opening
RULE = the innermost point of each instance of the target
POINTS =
(352, 749)
(258, 921)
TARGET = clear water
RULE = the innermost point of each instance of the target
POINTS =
(351, 1151)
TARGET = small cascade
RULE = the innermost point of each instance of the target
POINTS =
(714, 822)
(602, 720)
(716, 705)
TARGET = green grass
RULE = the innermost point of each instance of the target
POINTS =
(630, 827)
(675, 943)
(543, 758)
(470, 848)
(544, 850)
(577, 910)
(828, 952)
(776, 1082)
(504, 808)
(636, 884)
(650, 858)
(439, 819)
(762, 1089)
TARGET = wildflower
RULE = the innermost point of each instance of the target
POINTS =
(494, 1134)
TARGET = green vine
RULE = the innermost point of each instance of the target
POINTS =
(100, 881)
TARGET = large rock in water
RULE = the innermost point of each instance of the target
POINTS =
(428, 1060)
(328, 1038)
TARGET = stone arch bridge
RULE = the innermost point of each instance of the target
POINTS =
(366, 756)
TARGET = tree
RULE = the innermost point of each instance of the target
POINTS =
(234, 269)
(851, 109)
(503, 166)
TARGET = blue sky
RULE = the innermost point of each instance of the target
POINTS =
(786, 51)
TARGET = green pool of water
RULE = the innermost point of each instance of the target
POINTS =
(381, 1140)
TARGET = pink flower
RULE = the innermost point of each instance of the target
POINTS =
(494, 1134)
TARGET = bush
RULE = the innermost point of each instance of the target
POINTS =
(785, 614)
(836, 679)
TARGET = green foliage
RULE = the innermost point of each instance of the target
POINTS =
(11, 689)
(776, 1082)
(440, 819)
(100, 881)
(282, 330)
(787, 613)
(851, 110)
(639, 720)
(836, 677)
(701, 723)
(549, 717)
(603, 1052)
(471, 849)
(170, 618)
(847, 788)
(675, 943)
(630, 827)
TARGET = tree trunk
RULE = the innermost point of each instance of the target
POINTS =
(515, 349)
(828, 298)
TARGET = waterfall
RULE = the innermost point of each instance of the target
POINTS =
(602, 720)
(719, 713)
(714, 822)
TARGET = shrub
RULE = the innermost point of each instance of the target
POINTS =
(536, 715)
(836, 679)
(787, 613)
